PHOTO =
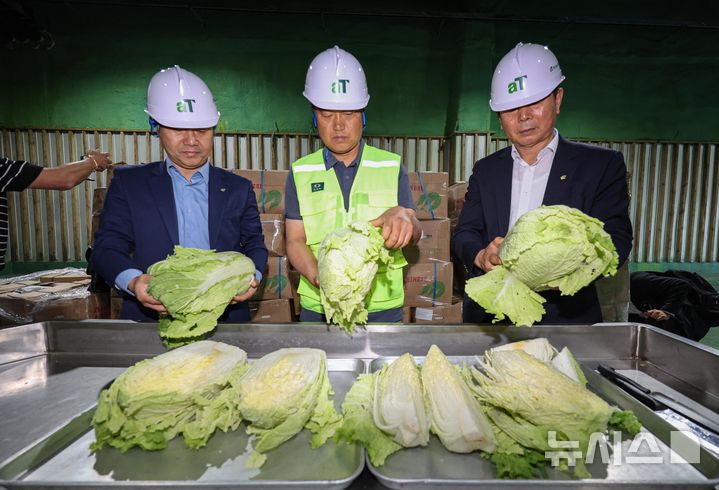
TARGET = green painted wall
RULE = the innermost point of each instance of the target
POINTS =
(426, 76)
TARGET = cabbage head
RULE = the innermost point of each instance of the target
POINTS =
(456, 416)
(526, 398)
(348, 260)
(385, 411)
(191, 390)
(196, 286)
(284, 392)
(550, 247)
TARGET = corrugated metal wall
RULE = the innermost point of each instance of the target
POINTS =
(674, 186)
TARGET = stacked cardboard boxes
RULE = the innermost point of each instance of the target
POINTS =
(428, 277)
(275, 299)
(50, 295)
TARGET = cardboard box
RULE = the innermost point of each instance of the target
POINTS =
(110, 172)
(75, 275)
(407, 314)
(455, 199)
(428, 284)
(434, 244)
(275, 281)
(272, 311)
(448, 315)
(429, 193)
(115, 304)
(94, 226)
(294, 277)
(273, 229)
(269, 186)
(98, 199)
(52, 301)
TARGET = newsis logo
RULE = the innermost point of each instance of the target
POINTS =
(516, 84)
(644, 448)
(185, 105)
(339, 87)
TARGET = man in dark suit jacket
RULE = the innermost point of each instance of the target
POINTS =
(680, 302)
(539, 168)
(182, 200)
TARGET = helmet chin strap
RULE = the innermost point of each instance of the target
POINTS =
(154, 126)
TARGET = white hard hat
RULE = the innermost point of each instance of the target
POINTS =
(528, 73)
(178, 98)
(335, 81)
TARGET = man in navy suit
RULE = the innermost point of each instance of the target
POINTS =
(182, 200)
(540, 167)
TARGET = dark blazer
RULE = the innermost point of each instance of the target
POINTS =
(585, 177)
(675, 292)
(139, 227)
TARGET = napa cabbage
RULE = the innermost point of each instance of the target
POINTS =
(386, 411)
(527, 398)
(348, 260)
(282, 393)
(191, 390)
(456, 416)
(196, 286)
(550, 247)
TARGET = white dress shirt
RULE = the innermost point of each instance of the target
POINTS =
(529, 181)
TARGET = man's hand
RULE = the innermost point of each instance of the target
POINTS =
(138, 286)
(488, 257)
(399, 227)
(239, 298)
(659, 315)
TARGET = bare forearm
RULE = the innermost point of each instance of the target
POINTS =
(71, 174)
(303, 260)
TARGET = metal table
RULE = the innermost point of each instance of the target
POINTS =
(51, 374)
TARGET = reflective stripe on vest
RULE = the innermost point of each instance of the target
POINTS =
(374, 190)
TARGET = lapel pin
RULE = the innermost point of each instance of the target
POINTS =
(563, 177)
(222, 189)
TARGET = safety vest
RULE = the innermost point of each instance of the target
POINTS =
(374, 190)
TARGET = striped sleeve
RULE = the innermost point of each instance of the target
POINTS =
(17, 175)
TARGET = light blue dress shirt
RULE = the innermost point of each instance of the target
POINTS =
(191, 205)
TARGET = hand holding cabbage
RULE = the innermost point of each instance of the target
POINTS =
(550, 247)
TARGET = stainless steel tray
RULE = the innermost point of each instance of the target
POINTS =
(51, 374)
(63, 459)
(434, 466)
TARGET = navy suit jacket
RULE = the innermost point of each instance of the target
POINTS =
(139, 227)
(585, 177)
